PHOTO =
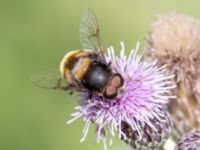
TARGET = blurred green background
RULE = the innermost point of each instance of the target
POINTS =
(34, 36)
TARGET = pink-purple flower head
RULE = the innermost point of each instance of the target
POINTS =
(146, 90)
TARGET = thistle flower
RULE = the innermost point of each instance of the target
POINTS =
(138, 110)
(190, 141)
(174, 39)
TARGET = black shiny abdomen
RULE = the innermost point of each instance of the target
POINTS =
(97, 77)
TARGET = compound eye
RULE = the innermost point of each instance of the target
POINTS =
(110, 92)
(117, 81)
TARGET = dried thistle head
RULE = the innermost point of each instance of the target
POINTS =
(174, 39)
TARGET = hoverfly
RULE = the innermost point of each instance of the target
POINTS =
(84, 70)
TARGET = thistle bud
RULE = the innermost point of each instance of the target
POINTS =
(189, 141)
(149, 138)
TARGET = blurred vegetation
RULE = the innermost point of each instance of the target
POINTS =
(34, 36)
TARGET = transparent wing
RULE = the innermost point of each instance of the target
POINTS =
(90, 34)
(50, 80)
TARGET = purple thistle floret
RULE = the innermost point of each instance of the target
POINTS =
(146, 90)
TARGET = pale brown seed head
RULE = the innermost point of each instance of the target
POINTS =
(174, 39)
